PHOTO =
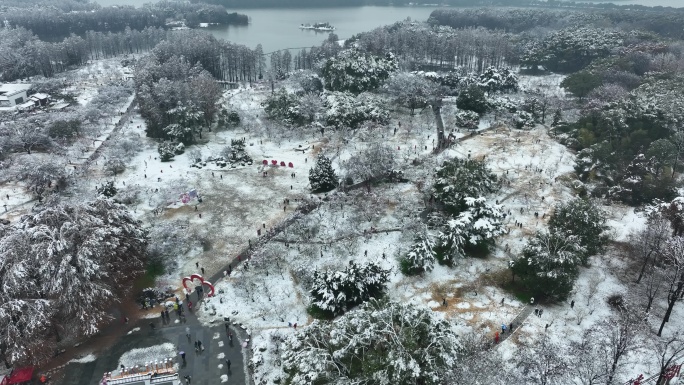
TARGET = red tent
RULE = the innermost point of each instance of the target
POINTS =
(18, 376)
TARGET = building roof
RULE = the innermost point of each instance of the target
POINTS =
(10, 89)
(40, 96)
(28, 104)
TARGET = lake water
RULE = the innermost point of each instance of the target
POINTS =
(277, 29)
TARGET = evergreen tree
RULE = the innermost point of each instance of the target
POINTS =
(335, 292)
(549, 265)
(472, 99)
(461, 178)
(421, 256)
(322, 176)
(581, 218)
(472, 230)
(381, 343)
(108, 190)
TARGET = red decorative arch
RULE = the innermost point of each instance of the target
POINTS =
(202, 281)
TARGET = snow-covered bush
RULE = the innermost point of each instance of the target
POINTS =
(523, 120)
(471, 231)
(420, 257)
(322, 176)
(549, 265)
(167, 151)
(334, 292)
(107, 189)
(356, 72)
(467, 119)
(380, 343)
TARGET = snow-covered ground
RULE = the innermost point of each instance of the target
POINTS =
(267, 297)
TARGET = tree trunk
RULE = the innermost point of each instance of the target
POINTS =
(643, 267)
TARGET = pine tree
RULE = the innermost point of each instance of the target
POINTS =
(549, 265)
(108, 190)
(335, 292)
(421, 256)
(473, 230)
(583, 219)
(461, 178)
(322, 176)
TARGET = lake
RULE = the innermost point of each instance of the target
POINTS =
(277, 29)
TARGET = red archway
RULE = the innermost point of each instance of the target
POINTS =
(202, 281)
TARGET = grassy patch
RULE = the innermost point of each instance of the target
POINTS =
(503, 279)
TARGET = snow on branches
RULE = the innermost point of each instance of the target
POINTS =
(472, 229)
(336, 291)
(381, 343)
(357, 72)
(322, 177)
(343, 109)
(459, 178)
(67, 262)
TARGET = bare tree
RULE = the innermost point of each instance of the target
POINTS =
(542, 363)
(673, 257)
(667, 351)
(646, 243)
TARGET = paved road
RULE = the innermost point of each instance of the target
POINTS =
(203, 368)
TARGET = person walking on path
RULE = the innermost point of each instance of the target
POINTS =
(540, 312)
(182, 354)
(496, 338)
(503, 328)
(190, 306)
(572, 304)
(228, 364)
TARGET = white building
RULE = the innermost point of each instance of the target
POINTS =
(13, 94)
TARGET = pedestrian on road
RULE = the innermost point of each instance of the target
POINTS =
(496, 338)
(152, 325)
(228, 364)
(190, 306)
(199, 344)
(503, 328)
(163, 317)
(188, 379)
(187, 333)
(182, 354)
(540, 312)
(536, 312)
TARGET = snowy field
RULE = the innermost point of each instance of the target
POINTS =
(265, 295)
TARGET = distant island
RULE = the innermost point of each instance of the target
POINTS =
(323, 27)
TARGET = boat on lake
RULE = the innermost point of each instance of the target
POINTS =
(317, 27)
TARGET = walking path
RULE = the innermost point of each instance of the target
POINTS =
(517, 323)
